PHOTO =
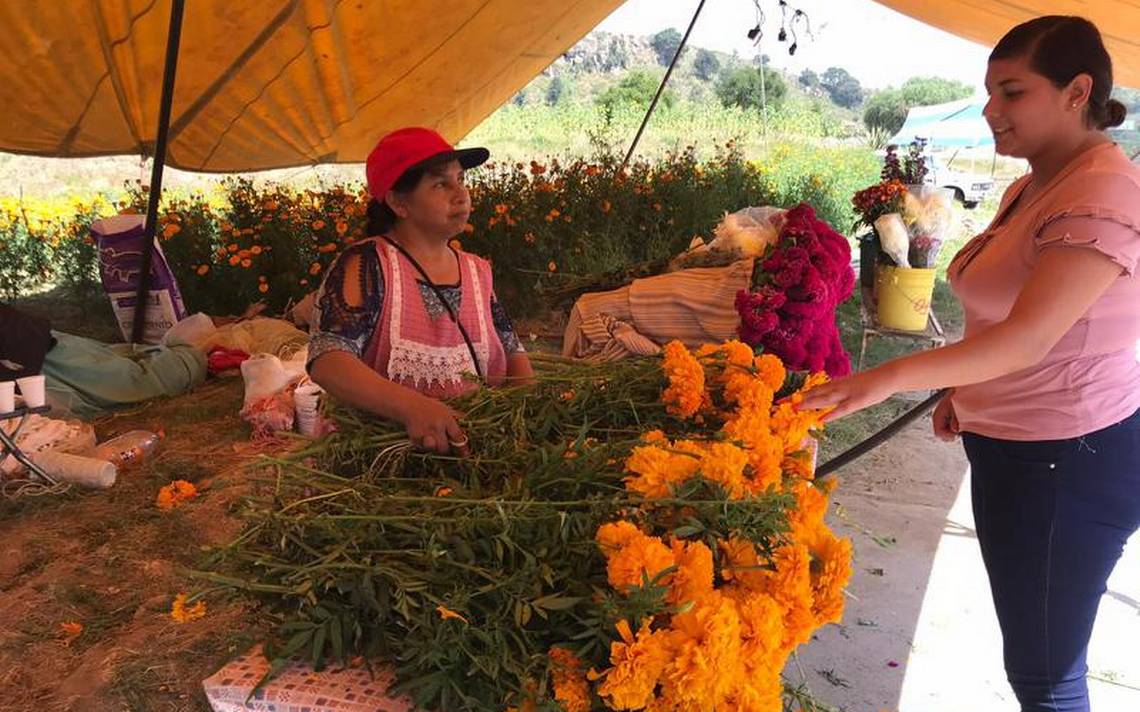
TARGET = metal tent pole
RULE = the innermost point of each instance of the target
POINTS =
(173, 38)
(661, 89)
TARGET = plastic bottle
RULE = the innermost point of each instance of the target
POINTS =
(128, 449)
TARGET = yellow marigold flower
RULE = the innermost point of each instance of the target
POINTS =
(637, 664)
(830, 572)
(724, 463)
(202, 270)
(693, 578)
(69, 631)
(616, 534)
(182, 613)
(643, 557)
(706, 668)
(569, 681)
(686, 391)
(658, 469)
(771, 370)
(174, 494)
(446, 613)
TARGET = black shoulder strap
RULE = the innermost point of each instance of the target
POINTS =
(442, 299)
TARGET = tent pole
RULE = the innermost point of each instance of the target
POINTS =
(661, 89)
(173, 39)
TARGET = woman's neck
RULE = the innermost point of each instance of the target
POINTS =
(423, 245)
(1049, 163)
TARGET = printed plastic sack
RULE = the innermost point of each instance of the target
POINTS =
(120, 241)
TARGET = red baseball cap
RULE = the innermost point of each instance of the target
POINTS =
(407, 147)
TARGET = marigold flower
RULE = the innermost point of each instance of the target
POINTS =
(318, 224)
(69, 631)
(182, 613)
(686, 390)
(202, 270)
(552, 266)
(255, 250)
(263, 287)
(446, 613)
(247, 263)
(234, 260)
(637, 667)
(174, 494)
(569, 681)
(315, 268)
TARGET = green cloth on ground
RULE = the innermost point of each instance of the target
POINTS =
(88, 378)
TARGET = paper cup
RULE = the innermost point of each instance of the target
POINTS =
(7, 396)
(32, 389)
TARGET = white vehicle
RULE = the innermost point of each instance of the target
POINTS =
(969, 188)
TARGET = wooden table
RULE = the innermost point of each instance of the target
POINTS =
(869, 314)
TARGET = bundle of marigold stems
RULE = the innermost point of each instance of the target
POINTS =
(641, 534)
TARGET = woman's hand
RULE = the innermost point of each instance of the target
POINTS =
(847, 395)
(944, 420)
(432, 425)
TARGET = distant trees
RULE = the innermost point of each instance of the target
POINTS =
(809, 79)
(887, 109)
(555, 91)
(636, 88)
(843, 88)
(706, 65)
(665, 44)
(742, 87)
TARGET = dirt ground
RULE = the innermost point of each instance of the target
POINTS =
(112, 562)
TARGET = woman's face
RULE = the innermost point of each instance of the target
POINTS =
(440, 204)
(1026, 113)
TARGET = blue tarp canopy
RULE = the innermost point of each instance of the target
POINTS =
(956, 124)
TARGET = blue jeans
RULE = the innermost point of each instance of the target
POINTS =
(1052, 518)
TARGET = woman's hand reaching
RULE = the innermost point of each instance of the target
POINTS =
(849, 394)
(433, 425)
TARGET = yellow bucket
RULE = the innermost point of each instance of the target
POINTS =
(904, 297)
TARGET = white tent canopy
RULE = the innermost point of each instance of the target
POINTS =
(955, 124)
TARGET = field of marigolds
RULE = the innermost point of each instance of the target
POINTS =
(543, 223)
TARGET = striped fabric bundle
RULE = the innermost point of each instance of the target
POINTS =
(694, 306)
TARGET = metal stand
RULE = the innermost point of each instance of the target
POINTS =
(869, 315)
(8, 444)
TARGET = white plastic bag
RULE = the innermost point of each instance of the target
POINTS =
(264, 375)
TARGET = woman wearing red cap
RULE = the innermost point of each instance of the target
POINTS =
(403, 320)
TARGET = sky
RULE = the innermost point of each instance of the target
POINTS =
(878, 46)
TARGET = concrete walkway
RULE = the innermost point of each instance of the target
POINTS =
(919, 633)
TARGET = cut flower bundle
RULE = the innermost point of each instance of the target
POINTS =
(641, 534)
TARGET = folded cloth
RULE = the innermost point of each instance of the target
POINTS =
(222, 359)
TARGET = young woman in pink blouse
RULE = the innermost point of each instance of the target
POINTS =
(1045, 385)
